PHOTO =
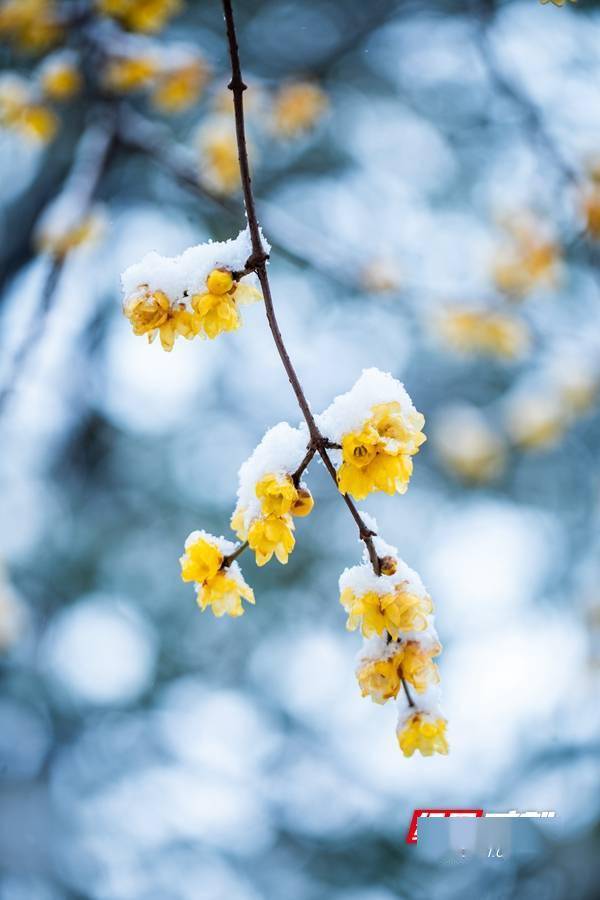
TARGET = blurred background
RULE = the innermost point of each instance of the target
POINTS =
(429, 177)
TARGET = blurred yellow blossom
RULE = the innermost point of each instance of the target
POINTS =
(59, 77)
(394, 612)
(423, 732)
(529, 258)
(218, 160)
(467, 444)
(380, 276)
(30, 24)
(127, 74)
(179, 86)
(149, 16)
(23, 113)
(378, 457)
(536, 418)
(479, 331)
(60, 241)
(297, 107)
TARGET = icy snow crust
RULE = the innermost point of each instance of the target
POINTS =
(349, 411)
(180, 277)
(280, 452)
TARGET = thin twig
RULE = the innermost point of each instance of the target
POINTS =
(409, 698)
(227, 560)
(297, 475)
(258, 261)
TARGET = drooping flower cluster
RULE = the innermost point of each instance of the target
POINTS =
(269, 497)
(196, 294)
(395, 616)
(372, 432)
(378, 430)
(219, 583)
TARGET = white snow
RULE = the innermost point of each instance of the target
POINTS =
(179, 277)
(427, 702)
(349, 411)
(280, 452)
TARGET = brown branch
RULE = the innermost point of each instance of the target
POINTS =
(297, 475)
(409, 698)
(227, 560)
(258, 261)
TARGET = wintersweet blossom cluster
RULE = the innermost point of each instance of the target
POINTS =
(218, 581)
(196, 294)
(468, 445)
(270, 496)
(297, 107)
(378, 431)
(371, 434)
(394, 614)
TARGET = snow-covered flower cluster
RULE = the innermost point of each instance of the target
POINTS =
(395, 615)
(270, 496)
(196, 294)
(378, 430)
(219, 582)
(468, 445)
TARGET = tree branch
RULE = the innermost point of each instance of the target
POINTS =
(258, 262)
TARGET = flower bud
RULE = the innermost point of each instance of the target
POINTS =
(220, 281)
(388, 565)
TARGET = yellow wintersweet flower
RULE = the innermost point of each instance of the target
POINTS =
(224, 595)
(179, 88)
(151, 313)
(217, 309)
(418, 667)
(483, 332)
(125, 75)
(279, 495)
(272, 535)
(379, 679)
(378, 457)
(220, 588)
(425, 733)
(238, 523)
(394, 612)
(469, 447)
(297, 107)
(536, 419)
(30, 24)
(60, 80)
(201, 561)
(148, 16)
